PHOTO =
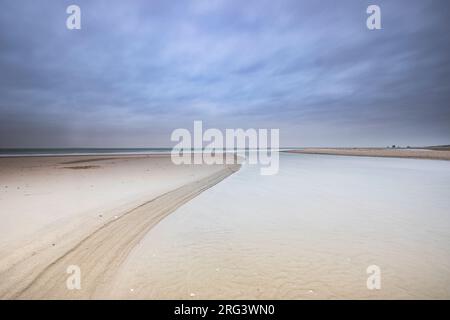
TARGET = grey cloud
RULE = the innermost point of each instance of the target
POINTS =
(139, 69)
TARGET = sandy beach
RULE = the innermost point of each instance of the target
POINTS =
(333, 121)
(379, 152)
(88, 211)
(139, 227)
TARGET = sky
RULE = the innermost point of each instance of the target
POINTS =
(137, 70)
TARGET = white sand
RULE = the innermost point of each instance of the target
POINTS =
(49, 204)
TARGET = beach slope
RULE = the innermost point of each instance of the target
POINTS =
(37, 268)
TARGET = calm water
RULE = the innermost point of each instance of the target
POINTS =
(309, 232)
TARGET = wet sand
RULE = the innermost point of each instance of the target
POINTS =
(309, 232)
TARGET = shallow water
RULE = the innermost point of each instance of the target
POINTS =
(310, 231)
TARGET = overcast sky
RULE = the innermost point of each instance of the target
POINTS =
(139, 69)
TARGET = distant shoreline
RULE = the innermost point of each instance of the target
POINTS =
(51, 152)
(430, 154)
